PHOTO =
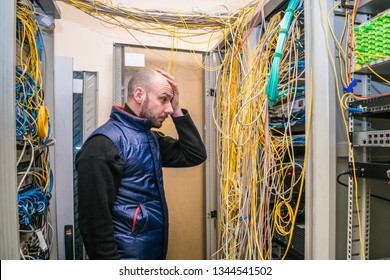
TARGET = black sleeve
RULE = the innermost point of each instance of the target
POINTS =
(99, 169)
(186, 151)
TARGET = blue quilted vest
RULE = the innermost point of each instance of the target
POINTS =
(140, 213)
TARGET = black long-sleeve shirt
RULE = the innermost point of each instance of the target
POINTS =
(100, 170)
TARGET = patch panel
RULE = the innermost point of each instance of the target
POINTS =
(371, 106)
(373, 138)
(372, 39)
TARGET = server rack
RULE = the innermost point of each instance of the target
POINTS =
(368, 194)
(11, 240)
(330, 211)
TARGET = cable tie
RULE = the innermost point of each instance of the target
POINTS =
(283, 31)
(290, 10)
(277, 54)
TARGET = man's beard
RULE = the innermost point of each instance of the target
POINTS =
(146, 115)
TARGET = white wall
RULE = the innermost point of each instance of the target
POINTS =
(91, 45)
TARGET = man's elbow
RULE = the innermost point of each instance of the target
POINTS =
(203, 157)
(200, 158)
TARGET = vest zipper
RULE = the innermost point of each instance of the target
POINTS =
(135, 217)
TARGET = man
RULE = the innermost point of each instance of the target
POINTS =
(122, 208)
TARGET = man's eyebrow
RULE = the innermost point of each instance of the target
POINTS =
(167, 95)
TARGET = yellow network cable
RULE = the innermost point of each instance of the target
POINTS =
(187, 27)
(153, 20)
(250, 160)
(343, 58)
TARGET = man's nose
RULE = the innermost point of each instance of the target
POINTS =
(168, 108)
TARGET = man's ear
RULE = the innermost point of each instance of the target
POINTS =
(139, 95)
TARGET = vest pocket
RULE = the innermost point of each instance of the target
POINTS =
(130, 219)
(136, 213)
(140, 220)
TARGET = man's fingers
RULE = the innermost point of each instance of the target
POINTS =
(170, 79)
(172, 83)
(165, 74)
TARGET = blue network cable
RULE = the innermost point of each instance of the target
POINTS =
(32, 203)
(26, 119)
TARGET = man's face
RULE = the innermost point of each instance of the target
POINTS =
(156, 106)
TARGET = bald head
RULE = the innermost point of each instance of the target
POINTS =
(150, 95)
(143, 78)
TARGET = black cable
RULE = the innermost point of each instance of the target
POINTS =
(379, 197)
(341, 174)
(345, 185)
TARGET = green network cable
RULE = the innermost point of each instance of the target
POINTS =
(272, 85)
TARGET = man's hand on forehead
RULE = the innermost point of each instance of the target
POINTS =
(169, 78)
(175, 100)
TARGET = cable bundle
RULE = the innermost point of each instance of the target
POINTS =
(156, 22)
(26, 112)
(32, 204)
(257, 202)
(272, 85)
